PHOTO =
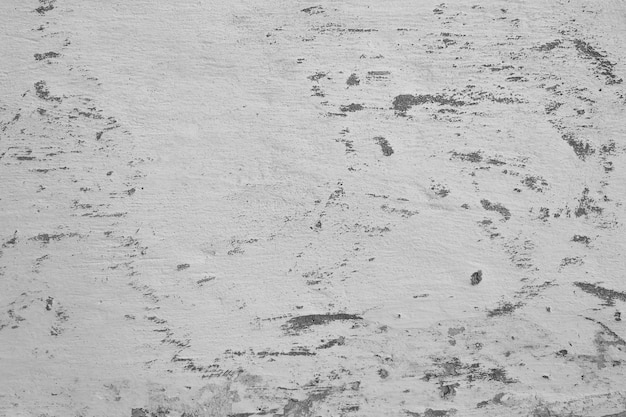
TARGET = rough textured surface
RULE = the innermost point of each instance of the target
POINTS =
(247, 208)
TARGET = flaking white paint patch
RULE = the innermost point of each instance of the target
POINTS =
(203, 213)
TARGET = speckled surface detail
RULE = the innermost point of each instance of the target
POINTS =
(289, 209)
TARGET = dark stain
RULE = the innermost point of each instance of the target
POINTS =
(471, 372)
(139, 412)
(515, 79)
(500, 68)
(298, 352)
(300, 323)
(46, 55)
(46, 6)
(204, 280)
(429, 412)
(351, 107)
(609, 296)
(477, 277)
(603, 66)
(489, 206)
(402, 212)
(581, 149)
(49, 302)
(535, 183)
(499, 375)
(474, 157)
(41, 90)
(313, 10)
(304, 408)
(334, 342)
(11, 241)
(504, 309)
(447, 390)
(376, 74)
(317, 76)
(586, 205)
(46, 238)
(548, 46)
(552, 107)
(359, 30)
(440, 190)
(384, 145)
(404, 102)
(351, 409)
(496, 162)
(571, 261)
(104, 215)
(608, 148)
(353, 80)
(383, 373)
(617, 340)
(317, 91)
(544, 214)
(181, 267)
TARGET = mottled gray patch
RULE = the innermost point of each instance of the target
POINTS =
(535, 183)
(581, 149)
(404, 102)
(46, 55)
(402, 212)
(352, 80)
(440, 190)
(586, 205)
(340, 341)
(552, 107)
(453, 331)
(46, 6)
(352, 107)
(474, 157)
(313, 10)
(489, 206)
(492, 161)
(571, 261)
(384, 145)
(304, 408)
(504, 309)
(317, 76)
(41, 90)
(139, 412)
(609, 296)
(446, 391)
(548, 46)
(300, 323)
(46, 238)
(603, 66)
